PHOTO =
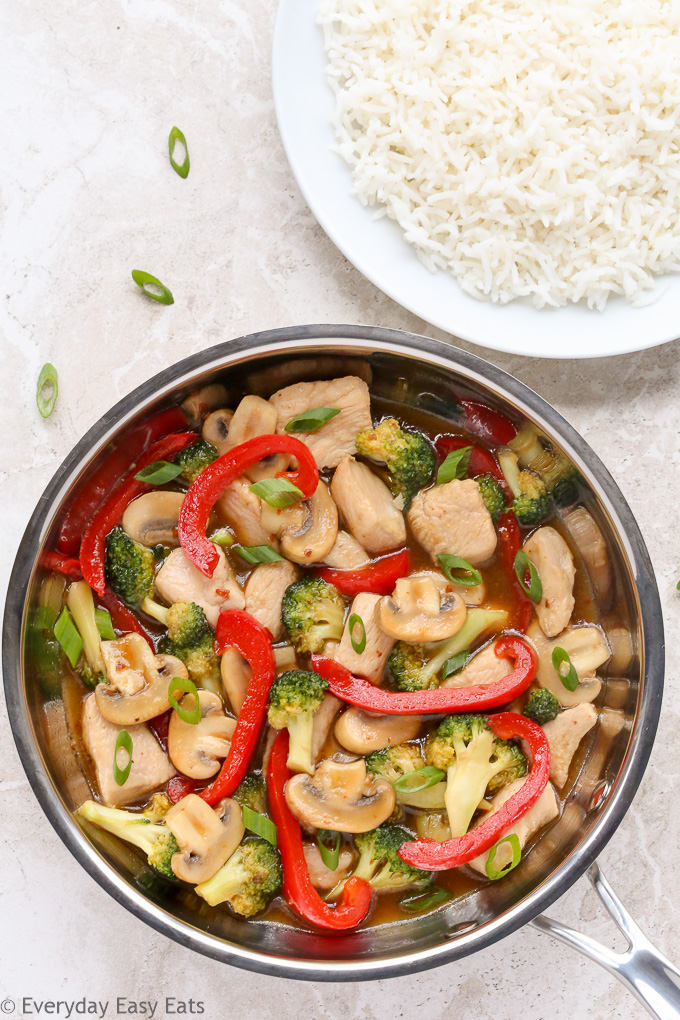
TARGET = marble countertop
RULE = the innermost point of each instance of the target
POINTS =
(90, 91)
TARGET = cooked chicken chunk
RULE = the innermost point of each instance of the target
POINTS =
(236, 674)
(321, 876)
(371, 662)
(564, 735)
(550, 554)
(323, 722)
(587, 648)
(367, 506)
(484, 667)
(242, 510)
(452, 518)
(179, 580)
(151, 766)
(346, 553)
(335, 439)
(264, 591)
(362, 732)
(545, 810)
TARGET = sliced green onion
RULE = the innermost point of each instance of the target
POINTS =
(678, 586)
(356, 621)
(187, 715)
(534, 589)
(277, 492)
(310, 421)
(259, 824)
(492, 872)
(66, 633)
(257, 553)
(180, 168)
(158, 473)
(123, 740)
(418, 780)
(44, 618)
(569, 678)
(455, 465)
(222, 537)
(468, 577)
(146, 280)
(455, 664)
(424, 901)
(330, 857)
(104, 625)
(46, 393)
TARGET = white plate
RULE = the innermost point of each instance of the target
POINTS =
(304, 104)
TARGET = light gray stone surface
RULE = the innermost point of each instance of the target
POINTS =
(89, 93)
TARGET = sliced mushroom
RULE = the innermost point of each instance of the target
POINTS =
(196, 749)
(138, 680)
(324, 718)
(197, 403)
(236, 674)
(419, 610)
(590, 542)
(256, 417)
(152, 519)
(587, 649)
(315, 539)
(206, 838)
(321, 876)
(216, 429)
(340, 796)
(433, 825)
(362, 732)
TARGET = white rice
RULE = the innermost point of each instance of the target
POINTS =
(531, 148)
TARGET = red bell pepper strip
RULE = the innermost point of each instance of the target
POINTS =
(213, 480)
(254, 642)
(121, 617)
(93, 546)
(479, 697)
(66, 565)
(481, 461)
(489, 425)
(160, 725)
(179, 787)
(431, 855)
(109, 475)
(301, 895)
(379, 576)
(510, 541)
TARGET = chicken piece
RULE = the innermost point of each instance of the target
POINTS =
(587, 649)
(285, 658)
(151, 766)
(179, 580)
(336, 439)
(545, 810)
(564, 735)
(371, 662)
(264, 591)
(367, 506)
(550, 554)
(324, 718)
(242, 510)
(452, 518)
(236, 674)
(321, 876)
(346, 554)
(485, 667)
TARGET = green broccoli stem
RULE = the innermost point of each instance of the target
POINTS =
(154, 610)
(135, 829)
(476, 622)
(228, 882)
(80, 602)
(300, 729)
(510, 468)
(468, 778)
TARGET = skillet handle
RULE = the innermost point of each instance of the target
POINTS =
(652, 978)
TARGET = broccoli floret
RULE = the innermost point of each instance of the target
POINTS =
(560, 476)
(313, 612)
(190, 638)
(408, 456)
(492, 494)
(193, 459)
(129, 567)
(157, 841)
(248, 881)
(532, 502)
(417, 667)
(393, 762)
(252, 793)
(476, 763)
(158, 807)
(293, 700)
(90, 666)
(380, 864)
(542, 706)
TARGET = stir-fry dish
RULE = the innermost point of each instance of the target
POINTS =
(331, 664)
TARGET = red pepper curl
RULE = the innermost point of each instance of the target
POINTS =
(510, 542)
(491, 426)
(378, 577)
(481, 461)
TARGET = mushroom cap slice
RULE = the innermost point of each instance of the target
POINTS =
(196, 749)
(216, 429)
(315, 537)
(340, 795)
(206, 838)
(255, 416)
(236, 674)
(138, 680)
(420, 610)
(362, 732)
(152, 519)
(587, 649)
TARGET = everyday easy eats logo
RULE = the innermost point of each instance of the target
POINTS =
(150, 1009)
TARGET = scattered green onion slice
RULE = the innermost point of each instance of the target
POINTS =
(259, 824)
(418, 780)
(158, 473)
(560, 658)
(277, 492)
(66, 633)
(469, 576)
(146, 280)
(455, 465)
(424, 901)
(356, 621)
(123, 740)
(46, 394)
(310, 421)
(534, 589)
(222, 537)
(44, 618)
(104, 625)
(257, 553)
(492, 872)
(330, 857)
(180, 168)
(678, 586)
(187, 715)
(455, 664)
